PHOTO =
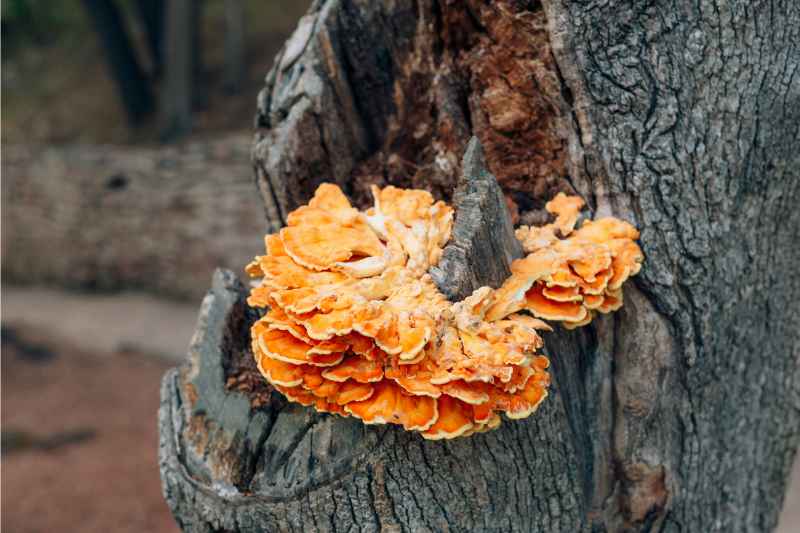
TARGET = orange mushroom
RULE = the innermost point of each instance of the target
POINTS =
(390, 405)
(355, 326)
(283, 346)
(280, 373)
(355, 368)
(566, 208)
(541, 306)
(455, 419)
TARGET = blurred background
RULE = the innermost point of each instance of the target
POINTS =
(126, 179)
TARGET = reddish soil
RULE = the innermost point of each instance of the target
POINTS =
(105, 478)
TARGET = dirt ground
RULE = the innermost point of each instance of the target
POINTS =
(105, 323)
(79, 438)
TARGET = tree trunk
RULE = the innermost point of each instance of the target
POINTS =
(678, 413)
(235, 66)
(133, 85)
(177, 93)
(151, 14)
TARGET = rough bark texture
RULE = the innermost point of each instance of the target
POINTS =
(681, 412)
(686, 121)
(104, 217)
(390, 93)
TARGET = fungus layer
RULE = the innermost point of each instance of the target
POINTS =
(354, 325)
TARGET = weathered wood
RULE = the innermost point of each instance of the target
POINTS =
(109, 217)
(483, 244)
(390, 93)
(328, 98)
(679, 413)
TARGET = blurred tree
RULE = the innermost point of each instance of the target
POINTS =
(151, 13)
(133, 85)
(174, 47)
(234, 45)
(181, 42)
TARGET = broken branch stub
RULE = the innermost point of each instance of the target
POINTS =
(483, 244)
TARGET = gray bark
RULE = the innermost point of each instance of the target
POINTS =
(483, 244)
(680, 412)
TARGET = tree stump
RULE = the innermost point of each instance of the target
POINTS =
(235, 456)
(679, 413)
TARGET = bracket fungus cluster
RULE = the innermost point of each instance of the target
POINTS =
(354, 325)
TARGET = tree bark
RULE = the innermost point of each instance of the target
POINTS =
(483, 244)
(680, 412)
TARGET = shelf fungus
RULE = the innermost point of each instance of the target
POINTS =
(354, 325)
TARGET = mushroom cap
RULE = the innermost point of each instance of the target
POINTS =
(455, 419)
(605, 229)
(355, 368)
(276, 318)
(282, 272)
(592, 301)
(331, 198)
(612, 301)
(566, 208)
(471, 393)
(562, 294)
(390, 405)
(283, 346)
(599, 284)
(579, 323)
(626, 261)
(280, 373)
(418, 386)
(319, 247)
(404, 205)
(274, 245)
(586, 259)
(533, 238)
(543, 307)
